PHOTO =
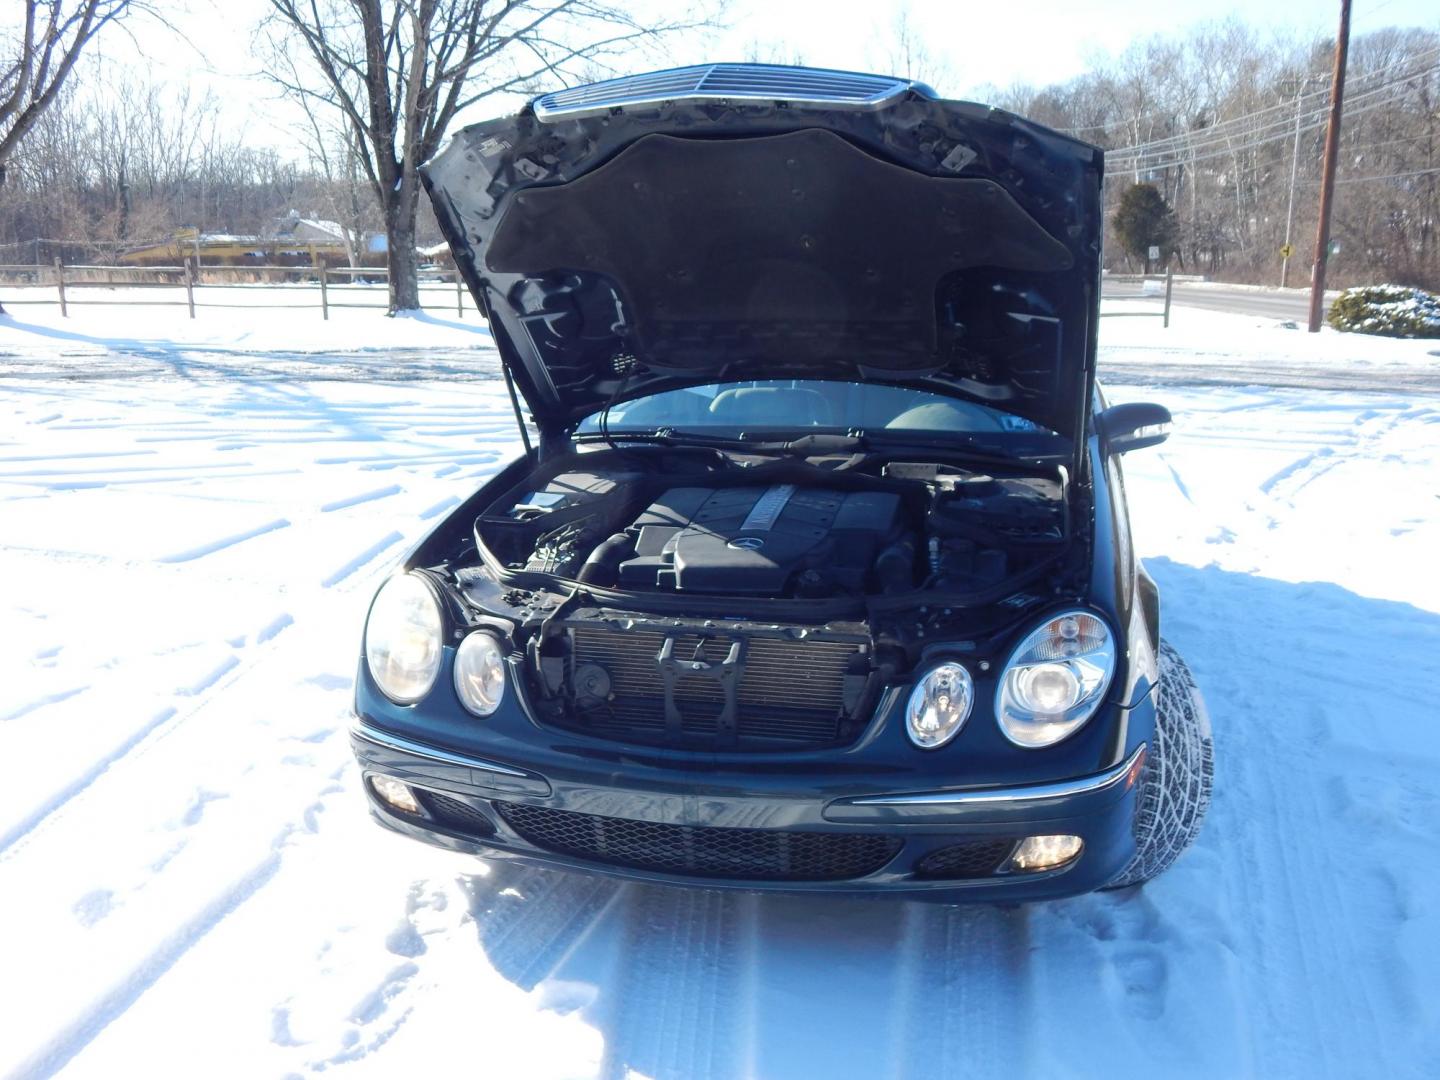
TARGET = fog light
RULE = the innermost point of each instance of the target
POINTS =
(395, 795)
(1045, 852)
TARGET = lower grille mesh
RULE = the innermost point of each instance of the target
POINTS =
(456, 815)
(974, 859)
(701, 851)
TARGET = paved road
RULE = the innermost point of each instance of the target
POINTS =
(1268, 304)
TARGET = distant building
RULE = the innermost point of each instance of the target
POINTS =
(293, 240)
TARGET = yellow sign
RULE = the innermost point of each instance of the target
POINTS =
(1286, 250)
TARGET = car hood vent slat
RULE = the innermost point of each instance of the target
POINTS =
(796, 86)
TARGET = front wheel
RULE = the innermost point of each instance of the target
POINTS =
(1178, 775)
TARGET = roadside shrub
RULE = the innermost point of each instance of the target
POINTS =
(1391, 310)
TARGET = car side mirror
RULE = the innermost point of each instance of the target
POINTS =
(1134, 425)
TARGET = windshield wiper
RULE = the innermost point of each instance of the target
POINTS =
(820, 444)
(668, 437)
(952, 444)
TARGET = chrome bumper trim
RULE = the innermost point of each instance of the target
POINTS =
(1027, 797)
(385, 740)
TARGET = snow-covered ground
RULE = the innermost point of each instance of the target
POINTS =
(189, 885)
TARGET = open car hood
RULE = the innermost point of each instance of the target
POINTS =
(735, 222)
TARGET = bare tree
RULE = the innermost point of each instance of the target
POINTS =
(905, 51)
(397, 72)
(41, 59)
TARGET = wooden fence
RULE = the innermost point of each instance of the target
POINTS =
(219, 286)
(329, 286)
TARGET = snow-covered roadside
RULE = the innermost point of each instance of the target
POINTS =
(189, 884)
(1215, 348)
(255, 319)
(1199, 347)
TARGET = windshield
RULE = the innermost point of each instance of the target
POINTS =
(807, 406)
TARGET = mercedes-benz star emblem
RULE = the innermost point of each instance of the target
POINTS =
(747, 543)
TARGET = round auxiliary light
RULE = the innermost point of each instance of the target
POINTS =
(396, 794)
(402, 639)
(939, 705)
(1045, 852)
(480, 673)
(1055, 680)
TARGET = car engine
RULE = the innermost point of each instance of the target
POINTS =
(774, 541)
(789, 532)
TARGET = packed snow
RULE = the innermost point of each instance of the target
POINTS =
(193, 517)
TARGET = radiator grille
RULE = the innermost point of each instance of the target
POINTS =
(700, 851)
(791, 691)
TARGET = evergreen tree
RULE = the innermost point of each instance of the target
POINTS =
(1144, 220)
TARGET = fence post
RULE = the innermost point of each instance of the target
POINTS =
(190, 286)
(459, 297)
(60, 285)
(1169, 285)
(324, 296)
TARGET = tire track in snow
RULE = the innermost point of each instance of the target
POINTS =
(1369, 428)
(1306, 976)
(40, 702)
(370, 554)
(1316, 461)
(530, 918)
(363, 497)
(675, 999)
(201, 690)
(968, 966)
(201, 550)
(33, 820)
(1287, 945)
(820, 977)
(62, 1048)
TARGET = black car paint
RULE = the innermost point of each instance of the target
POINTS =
(568, 770)
(478, 180)
(545, 766)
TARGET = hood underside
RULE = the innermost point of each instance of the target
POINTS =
(624, 250)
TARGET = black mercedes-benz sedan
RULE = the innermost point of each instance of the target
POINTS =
(816, 573)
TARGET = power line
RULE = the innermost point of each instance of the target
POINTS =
(1205, 138)
(1392, 176)
(1287, 104)
(1125, 164)
(1245, 121)
(1379, 97)
(1410, 140)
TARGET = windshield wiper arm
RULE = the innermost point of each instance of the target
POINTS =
(666, 437)
(955, 443)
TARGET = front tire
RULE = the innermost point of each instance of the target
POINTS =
(1178, 775)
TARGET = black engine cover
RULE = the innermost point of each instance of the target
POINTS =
(781, 540)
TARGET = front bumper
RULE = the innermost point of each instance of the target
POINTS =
(479, 796)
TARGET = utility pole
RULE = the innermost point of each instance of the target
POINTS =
(1287, 250)
(1327, 179)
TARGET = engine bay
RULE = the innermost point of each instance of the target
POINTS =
(644, 523)
(690, 596)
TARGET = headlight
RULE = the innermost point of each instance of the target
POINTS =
(402, 639)
(939, 705)
(1055, 680)
(480, 673)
